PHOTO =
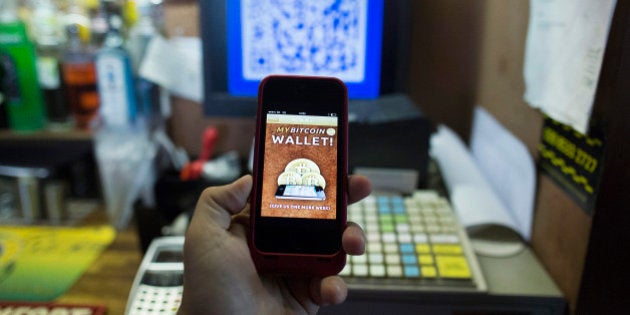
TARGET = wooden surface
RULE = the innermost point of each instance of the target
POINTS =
(108, 281)
(71, 134)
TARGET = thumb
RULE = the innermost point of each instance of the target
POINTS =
(218, 204)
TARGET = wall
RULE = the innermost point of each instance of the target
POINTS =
(466, 53)
(444, 60)
(561, 228)
(187, 123)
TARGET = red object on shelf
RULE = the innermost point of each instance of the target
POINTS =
(192, 170)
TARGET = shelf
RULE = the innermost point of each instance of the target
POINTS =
(72, 134)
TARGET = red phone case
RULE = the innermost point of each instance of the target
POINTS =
(289, 263)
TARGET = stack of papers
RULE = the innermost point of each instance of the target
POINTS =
(490, 186)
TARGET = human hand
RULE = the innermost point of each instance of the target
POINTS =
(220, 276)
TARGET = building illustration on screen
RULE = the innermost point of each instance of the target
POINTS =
(325, 37)
(301, 180)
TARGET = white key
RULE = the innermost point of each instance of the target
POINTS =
(426, 195)
(362, 259)
(355, 217)
(420, 238)
(402, 228)
(444, 239)
(377, 271)
(369, 200)
(404, 237)
(375, 258)
(414, 209)
(394, 271)
(360, 270)
(418, 228)
(373, 237)
(389, 237)
(374, 247)
(391, 248)
(371, 227)
(430, 220)
(392, 259)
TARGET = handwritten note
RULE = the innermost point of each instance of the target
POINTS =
(565, 47)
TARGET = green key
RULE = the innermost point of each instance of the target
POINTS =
(387, 227)
(386, 219)
(401, 218)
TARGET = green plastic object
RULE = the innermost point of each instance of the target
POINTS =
(25, 104)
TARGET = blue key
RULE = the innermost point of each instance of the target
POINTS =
(409, 259)
(412, 271)
(384, 209)
(399, 209)
(406, 248)
(397, 200)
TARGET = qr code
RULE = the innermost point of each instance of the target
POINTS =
(304, 37)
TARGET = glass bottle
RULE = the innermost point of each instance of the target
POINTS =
(140, 35)
(116, 85)
(49, 39)
(79, 75)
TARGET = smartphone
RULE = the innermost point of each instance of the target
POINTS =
(299, 198)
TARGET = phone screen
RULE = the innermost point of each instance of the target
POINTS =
(300, 172)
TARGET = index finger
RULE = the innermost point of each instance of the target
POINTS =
(359, 187)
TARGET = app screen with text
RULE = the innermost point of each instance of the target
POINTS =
(300, 167)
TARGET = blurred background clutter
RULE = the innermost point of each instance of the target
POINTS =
(116, 114)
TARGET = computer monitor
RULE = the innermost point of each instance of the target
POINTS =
(363, 42)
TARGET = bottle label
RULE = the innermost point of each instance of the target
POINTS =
(48, 73)
(112, 90)
(9, 80)
(79, 73)
(11, 39)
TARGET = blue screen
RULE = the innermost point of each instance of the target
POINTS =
(339, 38)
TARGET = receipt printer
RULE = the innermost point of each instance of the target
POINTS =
(389, 143)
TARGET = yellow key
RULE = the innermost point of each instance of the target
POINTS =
(455, 267)
(428, 272)
(423, 248)
(425, 259)
(448, 249)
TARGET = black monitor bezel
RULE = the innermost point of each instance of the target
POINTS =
(213, 25)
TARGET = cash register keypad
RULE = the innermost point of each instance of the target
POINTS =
(409, 238)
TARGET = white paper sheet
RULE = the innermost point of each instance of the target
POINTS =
(176, 65)
(565, 46)
(507, 165)
(492, 184)
(471, 195)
